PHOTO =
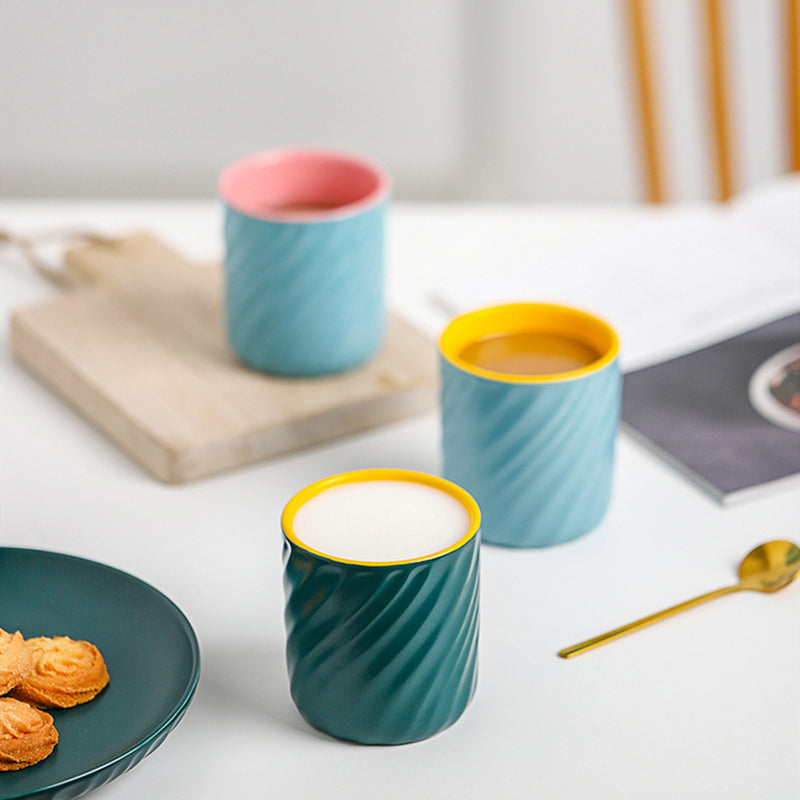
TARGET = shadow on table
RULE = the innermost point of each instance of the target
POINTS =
(248, 680)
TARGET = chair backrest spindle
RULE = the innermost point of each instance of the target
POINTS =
(640, 30)
(792, 24)
(719, 96)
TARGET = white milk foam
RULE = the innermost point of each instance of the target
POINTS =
(381, 521)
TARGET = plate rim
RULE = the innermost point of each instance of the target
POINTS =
(175, 713)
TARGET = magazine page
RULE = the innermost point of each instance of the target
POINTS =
(772, 210)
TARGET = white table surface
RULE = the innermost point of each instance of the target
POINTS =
(704, 705)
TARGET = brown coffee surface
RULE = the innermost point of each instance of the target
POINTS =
(529, 353)
(295, 208)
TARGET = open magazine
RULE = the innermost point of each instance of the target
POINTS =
(705, 298)
(728, 414)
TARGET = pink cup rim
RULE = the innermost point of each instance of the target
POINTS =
(272, 156)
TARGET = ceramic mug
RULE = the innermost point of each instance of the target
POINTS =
(304, 253)
(382, 652)
(536, 451)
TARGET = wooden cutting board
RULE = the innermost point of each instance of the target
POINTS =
(139, 348)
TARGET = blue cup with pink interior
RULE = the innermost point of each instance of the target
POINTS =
(304, 260)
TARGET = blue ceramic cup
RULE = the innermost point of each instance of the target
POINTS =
(304, 253)
(535, 450)
(382, 652)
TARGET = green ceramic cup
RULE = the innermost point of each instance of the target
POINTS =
(382, 652)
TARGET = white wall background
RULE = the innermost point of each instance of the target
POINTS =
(465, 99)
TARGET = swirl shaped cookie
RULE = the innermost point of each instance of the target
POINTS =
(65, 673)
(16, 660)
(27, 735)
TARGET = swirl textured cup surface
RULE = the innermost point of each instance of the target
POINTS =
(382, 652)
(537, 452)
(304, 239)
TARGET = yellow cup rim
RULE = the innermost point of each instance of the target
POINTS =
(475, 321)
(381, 474)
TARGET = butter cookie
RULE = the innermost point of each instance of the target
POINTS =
(27, 735)
(65, 673)
(15, 660)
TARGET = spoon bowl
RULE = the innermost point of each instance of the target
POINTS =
(770, 566)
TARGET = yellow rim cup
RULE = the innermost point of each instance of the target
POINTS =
(365, 475)
(512, 318)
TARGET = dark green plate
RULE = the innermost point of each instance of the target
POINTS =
(149, 648)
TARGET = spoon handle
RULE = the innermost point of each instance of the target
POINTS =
(589, 644)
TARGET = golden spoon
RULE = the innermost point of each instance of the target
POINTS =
(767, 568)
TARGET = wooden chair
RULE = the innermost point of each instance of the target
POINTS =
(713, 21)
